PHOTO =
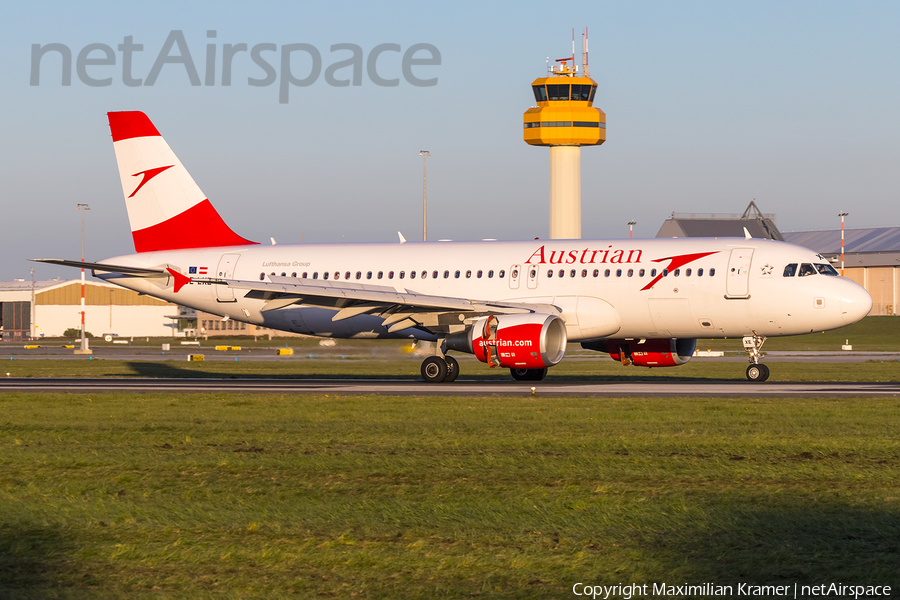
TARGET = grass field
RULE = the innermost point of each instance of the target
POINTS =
(240, 496)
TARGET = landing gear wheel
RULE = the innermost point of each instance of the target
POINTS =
(434, 369)
(757, 373)
(452, 369)
(528, 374)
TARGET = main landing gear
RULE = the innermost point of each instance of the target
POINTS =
(756, 371)
(438, 369)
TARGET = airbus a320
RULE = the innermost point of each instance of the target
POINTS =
(514, 305)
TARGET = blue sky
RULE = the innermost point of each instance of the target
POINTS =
(709, 105)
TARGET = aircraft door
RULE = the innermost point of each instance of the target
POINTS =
(225, 270)
(737, 279)
(532, 276)
(514, 274)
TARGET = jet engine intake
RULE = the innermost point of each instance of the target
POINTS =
(529, 341)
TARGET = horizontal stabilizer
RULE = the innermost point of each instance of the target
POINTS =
(137, 271)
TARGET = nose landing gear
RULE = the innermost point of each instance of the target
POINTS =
(756, 371)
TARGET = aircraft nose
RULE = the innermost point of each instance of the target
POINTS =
(855, 302)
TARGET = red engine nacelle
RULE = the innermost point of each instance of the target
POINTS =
(652, 353)
(530, 341)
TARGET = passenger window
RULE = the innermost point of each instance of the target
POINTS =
(304, 274)
(337, 275)
(456, 275)
(606, 273)
(402, 274)
(390, 274)
(424, 274)
(826, 269)
(549, 273)
(618, 272)
(700, 272)
(412, 275)
(316, 275)
(294, 275)
(359, 274)
(652, 272)
(687, 273)
(446, 274)
(380, 274)
(665, 272)
(491, 274)
(807, 269)
(630, 272)
(325, 275)
(347, 275)
(562, 273)
(533, 273)
(790, 270)
(262, 276)
(677, 272)
(479, 274)
(434, 274)
(584, 272)
(501, 274)
(284, 274)
(572, 273)
(712, 272)
(468, 274)
(596, 272)
(641, 273)
(368, 275)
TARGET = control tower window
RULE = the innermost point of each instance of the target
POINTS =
(581, 92)
(540, 93)
(593, 90)
(558, 92)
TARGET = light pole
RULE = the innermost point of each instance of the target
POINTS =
(842, 215)
(84, 343)
(631, 225)
(424, 154)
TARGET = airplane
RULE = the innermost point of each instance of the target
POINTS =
(514, 305)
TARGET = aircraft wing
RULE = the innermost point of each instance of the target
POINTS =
(400, 309)
(135, 271)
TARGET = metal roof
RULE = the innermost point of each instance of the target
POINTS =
(24, 285)
(678, 227)
(866, 239)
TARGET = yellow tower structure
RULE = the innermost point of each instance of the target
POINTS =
(565, 119)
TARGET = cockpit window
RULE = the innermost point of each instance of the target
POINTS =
(807, 269)
(790, 270)
(826, 269)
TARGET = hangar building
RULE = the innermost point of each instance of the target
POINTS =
(48, 308)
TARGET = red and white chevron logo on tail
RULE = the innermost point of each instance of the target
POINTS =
(148, 175)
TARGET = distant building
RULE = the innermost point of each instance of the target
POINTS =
(871, 258)
(48, 308)
(759, 224)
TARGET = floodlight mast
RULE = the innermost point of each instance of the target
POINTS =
(83, 349)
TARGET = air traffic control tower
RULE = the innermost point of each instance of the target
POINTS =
(565, 119)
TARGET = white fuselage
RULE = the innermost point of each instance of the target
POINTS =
(729, 287)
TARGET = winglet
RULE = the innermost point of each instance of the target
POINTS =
(747, 235)
(402, 239)
(180, 280)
